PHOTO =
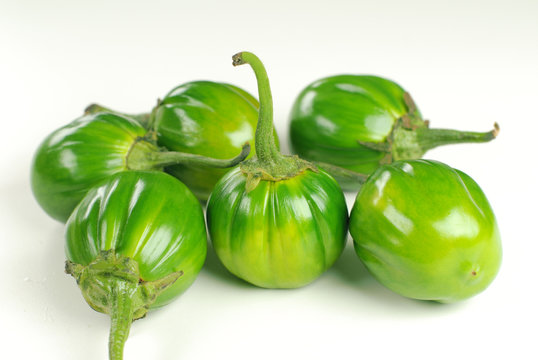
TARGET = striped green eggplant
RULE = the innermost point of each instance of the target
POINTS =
(79, 155)
(207, 118)
(134, 243)
(360, 121)
(276, 221)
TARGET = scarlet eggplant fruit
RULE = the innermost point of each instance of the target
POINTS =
(276, 221)
(426, 231)
(134, 243)
(188, 118)
(359, 122)
(206, 118)
(79, 155)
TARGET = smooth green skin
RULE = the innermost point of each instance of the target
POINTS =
(282, 234)
(426, 231)
(332, 114)
(149, 217)
(78, 156)
(206, 118)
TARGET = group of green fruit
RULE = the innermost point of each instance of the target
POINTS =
(130, 188)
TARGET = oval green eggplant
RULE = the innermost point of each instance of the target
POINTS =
(426, 231)
(79, 155)
(276, 221)
(207, 118)
(133, 243)
(359, 122)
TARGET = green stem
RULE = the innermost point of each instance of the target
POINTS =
(143, 119)
(111, 284)
(121, 317)
(340, 172)
(266, 149)
(168, 158)
(270, 164)
(430, 138)
(146, 156)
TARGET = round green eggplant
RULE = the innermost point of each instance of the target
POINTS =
(359, 122)
(79, 155)
(276, 221)
(207, 118)
(135, 242)
(281, 234)
(426, 231)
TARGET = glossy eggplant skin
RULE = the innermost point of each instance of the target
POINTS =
(147, 216)
(282, 234)
(332, 115)
(426, 231)
(205, 118)
(78, 156)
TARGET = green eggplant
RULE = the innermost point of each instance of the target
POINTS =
(207, 118)
(79, 155)
(359, 122)
(187, 119)
(134, 243)
(426, 231)
(276, 221)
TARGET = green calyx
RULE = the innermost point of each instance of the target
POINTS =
(270, 164)
(140, 155)
(411, 136)
(111, 284)
(290, 166)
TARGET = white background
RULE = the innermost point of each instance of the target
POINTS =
(466, 63)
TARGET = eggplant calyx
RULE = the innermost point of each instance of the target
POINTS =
(401, 138)
(257, 171)
(97, 278)
(111, 284)
(411, 137)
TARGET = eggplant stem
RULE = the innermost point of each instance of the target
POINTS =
(144, 155)
(121, 317)
(270, 164)
(266, 149)
(430, 138)
(167, 158)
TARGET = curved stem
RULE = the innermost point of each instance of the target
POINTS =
(266, 149)
(121, 317)
(431, 138)
(167, 158)
(270, 164)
